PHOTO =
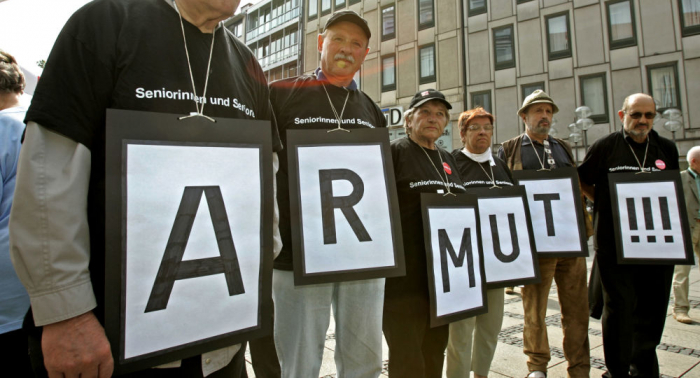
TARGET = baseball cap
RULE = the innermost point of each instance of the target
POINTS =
(349, 16)
(422, 97)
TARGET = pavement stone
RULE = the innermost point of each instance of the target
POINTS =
(679, 351)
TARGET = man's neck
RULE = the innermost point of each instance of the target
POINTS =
(336, 80)
(536, 137)
(637, 138)
(192, 16)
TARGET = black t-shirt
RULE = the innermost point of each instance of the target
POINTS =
(612, 154)
(130, 54)
(534, 160)
(416, 174)
(302, 103)
(474, 177)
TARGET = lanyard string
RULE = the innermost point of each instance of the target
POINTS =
(335, 112)
(200, 111)
(646, 149)
(547, 150)
(492, 177)
(444, 182)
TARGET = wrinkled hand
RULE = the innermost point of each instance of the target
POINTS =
(77, 347)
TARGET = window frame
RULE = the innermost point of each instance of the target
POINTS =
(650, 87)
(539, 84)
(354, 1)
(506, 64)
(432, 78)
(309, 16)
(627, 42)
(597, 118)
(330, 7)
(686, 31)
(481, 93)
(563, 53)
(390, 87)
(476, 10)
(337, 6)
(425, 25)
(386, 37)
(522, 1)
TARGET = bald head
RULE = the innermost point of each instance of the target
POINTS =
(694, 158)
(642, 97)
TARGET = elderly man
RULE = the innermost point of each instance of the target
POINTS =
(112, 54)
(691, 186)
(326, 98)
(536, 149)
(635, 296)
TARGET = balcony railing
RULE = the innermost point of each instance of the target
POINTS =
(279, 20)
(276, 57)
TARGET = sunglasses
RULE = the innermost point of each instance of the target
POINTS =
(638, 115)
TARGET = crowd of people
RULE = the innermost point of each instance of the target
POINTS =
(110, 48)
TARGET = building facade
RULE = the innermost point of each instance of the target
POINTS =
(494, 53)
(270, 28)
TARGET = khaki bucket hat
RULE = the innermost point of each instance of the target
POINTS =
(537, 97)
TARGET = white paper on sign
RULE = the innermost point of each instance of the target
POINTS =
(198, 307)
(650, 222)
(453, 292)
(553, 214)
(504, 261)
(348, 251)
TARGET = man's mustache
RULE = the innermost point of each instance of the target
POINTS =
(342, 56)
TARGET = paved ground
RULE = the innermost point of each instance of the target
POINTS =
(679, 352)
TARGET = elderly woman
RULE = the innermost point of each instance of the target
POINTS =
(420, 166)
(14, 300)
(472, 342)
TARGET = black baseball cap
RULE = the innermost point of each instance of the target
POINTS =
(349, 16)
(422, 97)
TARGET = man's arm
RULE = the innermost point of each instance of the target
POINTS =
(588, 191)
(50, 249)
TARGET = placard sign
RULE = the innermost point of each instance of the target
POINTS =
(506, 236)
(556, 211)
(188, 235)
(345, 215)
(454, 256)
(649, 214)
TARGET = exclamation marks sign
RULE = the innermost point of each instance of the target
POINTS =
(649, 218)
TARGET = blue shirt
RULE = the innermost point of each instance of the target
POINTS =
(14, 301)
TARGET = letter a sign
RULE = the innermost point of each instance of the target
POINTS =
(345, 220)
(188, 235)
(649, 213)
(455, 261)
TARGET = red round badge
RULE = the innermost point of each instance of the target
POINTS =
(447, 168)
(660, 164)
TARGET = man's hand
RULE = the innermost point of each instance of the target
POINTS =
(77, 347)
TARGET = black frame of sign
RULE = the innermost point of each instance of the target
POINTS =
(126, 127)
(503, 192)
(637, 177)
(297, 139)
(561, 173)
(433, 200)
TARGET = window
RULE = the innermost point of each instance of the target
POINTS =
(426, 14)
(621, 29)
(427, 64)
(477, 7)
(595, 95)
(527, 89)
(388, 22)
(388, 73)
(325, 7)
(523, 1)
(690, 17)
(313, 9)
(354, 1)
(339, 4)
(663, 85)
(503, 49)
(238, 29)
(482, 99)
(558, 44)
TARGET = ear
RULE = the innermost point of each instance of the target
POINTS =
(621, 114)
(320, 43)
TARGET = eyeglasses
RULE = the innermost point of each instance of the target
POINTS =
(477, 127)
(638, 115)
